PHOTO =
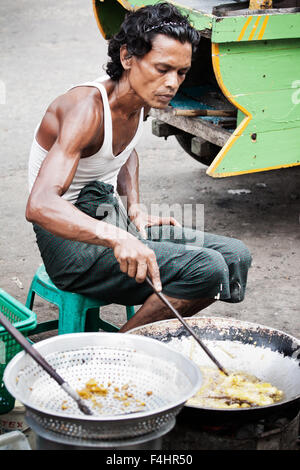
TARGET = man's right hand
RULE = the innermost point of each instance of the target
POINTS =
(137, 260)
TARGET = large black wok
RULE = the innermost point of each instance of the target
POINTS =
(271, 355)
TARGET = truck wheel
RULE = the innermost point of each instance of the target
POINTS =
(205, 151)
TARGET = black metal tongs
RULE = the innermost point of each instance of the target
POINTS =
(187, 327)
(15, 333)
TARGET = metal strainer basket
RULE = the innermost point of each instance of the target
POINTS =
(146, 384)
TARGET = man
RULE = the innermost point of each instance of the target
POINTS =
(83, 158)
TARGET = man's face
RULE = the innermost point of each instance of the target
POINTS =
(157, 76)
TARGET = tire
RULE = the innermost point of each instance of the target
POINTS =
(185, 141)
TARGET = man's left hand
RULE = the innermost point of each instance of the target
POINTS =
(142, 220)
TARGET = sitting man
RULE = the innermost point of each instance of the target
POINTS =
(83, 161)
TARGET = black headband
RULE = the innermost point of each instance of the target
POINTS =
(161, 25)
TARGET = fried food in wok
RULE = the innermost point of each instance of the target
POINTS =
(237, 390)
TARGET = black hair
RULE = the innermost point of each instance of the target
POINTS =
(139, 28)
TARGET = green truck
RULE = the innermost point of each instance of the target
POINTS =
(238, 110)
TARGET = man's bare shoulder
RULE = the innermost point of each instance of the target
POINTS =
(81, 108)
(80, 103)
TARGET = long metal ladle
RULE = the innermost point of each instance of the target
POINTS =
(14, 332)
(187, 327)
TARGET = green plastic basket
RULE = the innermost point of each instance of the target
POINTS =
(24, 320)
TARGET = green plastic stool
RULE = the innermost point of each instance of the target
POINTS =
(77, 313)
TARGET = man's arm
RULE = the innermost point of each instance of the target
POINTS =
(128, 186)
(128, 182)
(45, 205)
(128, 179)
(48, 209)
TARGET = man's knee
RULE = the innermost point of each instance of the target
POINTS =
(244, 253)
(239, 253)
(208, 270)
(217, 269)
(239, 265)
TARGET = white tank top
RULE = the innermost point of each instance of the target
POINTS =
(103, 165)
